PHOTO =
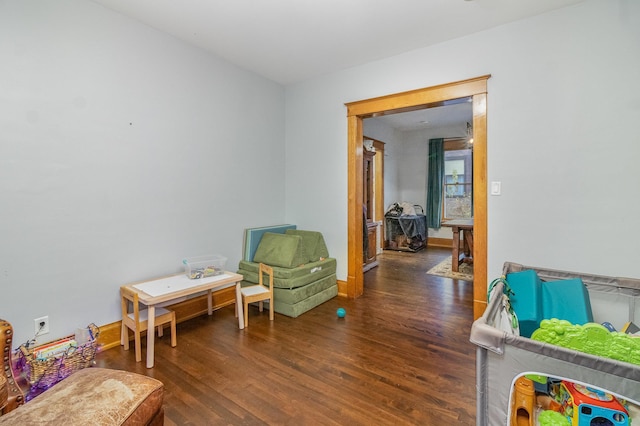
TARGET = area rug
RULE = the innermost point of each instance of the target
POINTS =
(443, 269)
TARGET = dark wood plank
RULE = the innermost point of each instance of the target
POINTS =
(400, 356)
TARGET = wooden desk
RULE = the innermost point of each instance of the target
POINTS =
(165, 289)
(466, 227)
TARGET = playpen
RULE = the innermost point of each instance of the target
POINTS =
(502, 358)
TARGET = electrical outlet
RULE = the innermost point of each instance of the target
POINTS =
(41, 325)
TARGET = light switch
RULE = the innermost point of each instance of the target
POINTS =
(496, 188)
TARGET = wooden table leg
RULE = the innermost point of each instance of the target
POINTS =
(455, 251)
(210, 302)
(151, 324)
(468, 244)
(239, 307)
(124, 331)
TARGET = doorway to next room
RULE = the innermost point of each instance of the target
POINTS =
(476, 90)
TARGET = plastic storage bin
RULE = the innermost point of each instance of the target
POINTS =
(204, 266)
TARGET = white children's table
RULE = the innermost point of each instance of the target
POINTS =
(161, 290)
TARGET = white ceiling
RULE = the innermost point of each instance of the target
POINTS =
(289, 41)
(449, 115)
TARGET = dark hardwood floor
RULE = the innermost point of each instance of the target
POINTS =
(400, 356)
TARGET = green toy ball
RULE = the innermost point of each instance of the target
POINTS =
(341, 312)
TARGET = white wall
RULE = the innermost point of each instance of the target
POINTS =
(413, 157)
(563, 108)
(413, 166)
(122, 151)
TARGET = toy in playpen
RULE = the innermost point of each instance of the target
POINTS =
(523, 402)
(587, 406)
(552, 418)
(577, 405)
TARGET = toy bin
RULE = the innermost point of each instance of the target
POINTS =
(204, 266)
(502, 359)
(47, 364)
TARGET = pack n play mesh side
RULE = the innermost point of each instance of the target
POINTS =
(502, 357)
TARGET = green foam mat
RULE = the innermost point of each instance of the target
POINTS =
(290, 277)
(297, 309)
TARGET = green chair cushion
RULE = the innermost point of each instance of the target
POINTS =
(282, 250)
(313, 242)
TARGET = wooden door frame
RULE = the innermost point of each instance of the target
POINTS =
(475, 88)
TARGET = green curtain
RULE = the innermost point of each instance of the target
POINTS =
(435, 179)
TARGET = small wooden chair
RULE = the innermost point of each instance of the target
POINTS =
(137, 321)
(258, 293)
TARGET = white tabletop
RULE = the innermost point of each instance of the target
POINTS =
(175, 283)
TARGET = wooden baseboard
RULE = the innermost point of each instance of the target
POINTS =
(479, 306)
(109, 336)
(342, 288)
(110, 333)
(440, 242)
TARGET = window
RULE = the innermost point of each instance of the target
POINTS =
(458, 184)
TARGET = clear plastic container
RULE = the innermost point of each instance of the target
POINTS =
(204, 266)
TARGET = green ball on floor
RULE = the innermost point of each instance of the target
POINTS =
(341, 312)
